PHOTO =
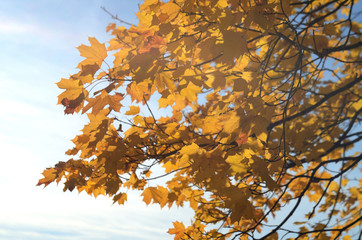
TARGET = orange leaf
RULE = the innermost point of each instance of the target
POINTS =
(190, 92)
(49, 176)
(73, 89)
(178, 229)
(156, 194)
(133, 110)
(98, 103)
(121, 198)
(95, 53)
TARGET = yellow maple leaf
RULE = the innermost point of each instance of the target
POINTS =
(98, 103)
(232, 123)
(237, 167)
(169, 9)
(94, 54)
(72, 87)
(187, 153)
(169, 166)
(121, 198)
(133, 110)
(190, 92)
(234, 46)
(156, 194)
(49, 176)
(178, 229)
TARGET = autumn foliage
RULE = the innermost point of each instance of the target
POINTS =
(264, 107)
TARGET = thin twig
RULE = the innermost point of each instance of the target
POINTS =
(115, 17)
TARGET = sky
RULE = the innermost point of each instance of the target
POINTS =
(38, 41)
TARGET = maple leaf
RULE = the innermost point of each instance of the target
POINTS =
(120, 198)
(153, 43)
(72, 105)
(110, 27)
(235, 45)
(236, 164)
(137, 91)
(133, 110)
(190, 92)
(94, 54)
(98, 103)
(89, 69)
(156, 194)
(178, 229)
(50, 175)
(73, 88)
(242, 139)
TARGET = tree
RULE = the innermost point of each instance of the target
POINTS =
(265, 104)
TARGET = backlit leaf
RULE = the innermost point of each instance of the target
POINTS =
(133, 110)
(94, 54)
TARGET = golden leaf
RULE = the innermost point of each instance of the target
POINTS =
(133, 110)
(120, 198)
(178, 229)
(49, 176)
(236, 165)
(156, 194)
(98, 103)
(190, 92)
(94, 54)
(73, 89)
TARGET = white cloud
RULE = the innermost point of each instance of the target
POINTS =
(11, 26)
(33, 32)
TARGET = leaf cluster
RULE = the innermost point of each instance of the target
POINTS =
(265, 108)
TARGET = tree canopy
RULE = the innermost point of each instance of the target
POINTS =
(264, 108)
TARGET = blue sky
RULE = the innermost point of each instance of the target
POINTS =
(38, 41)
